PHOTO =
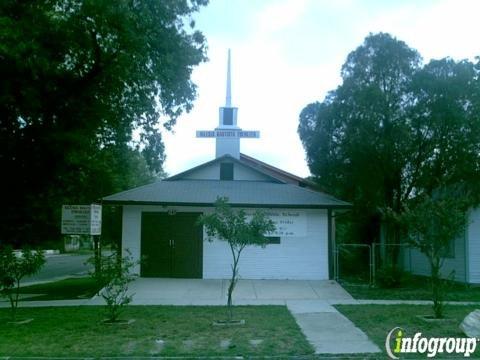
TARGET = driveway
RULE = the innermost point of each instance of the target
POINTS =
(59, 267)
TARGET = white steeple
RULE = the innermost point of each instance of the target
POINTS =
(228, 98)
(227, 135)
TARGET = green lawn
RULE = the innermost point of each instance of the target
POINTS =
(377, 320)
(73, 288)
(158, 330)
(414, 288)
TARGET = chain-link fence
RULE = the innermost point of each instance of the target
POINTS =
(389, 255)
(361, 263)
(353, 263)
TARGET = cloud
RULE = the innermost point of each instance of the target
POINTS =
(280, 15)
(290, 54)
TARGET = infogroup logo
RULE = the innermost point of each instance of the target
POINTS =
(397, 343)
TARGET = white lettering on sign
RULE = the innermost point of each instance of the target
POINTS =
(228, 134)
(82, 219)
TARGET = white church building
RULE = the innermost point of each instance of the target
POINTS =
(159, 223)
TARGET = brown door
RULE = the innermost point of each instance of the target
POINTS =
(171, 245)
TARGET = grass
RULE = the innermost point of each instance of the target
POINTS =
(73, 288)
(188, 331)
(377, 320)
(413, 288)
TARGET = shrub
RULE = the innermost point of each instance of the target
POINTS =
(390, 277)
(13, 268)
(114, 277)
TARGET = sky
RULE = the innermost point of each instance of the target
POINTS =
(288, 53)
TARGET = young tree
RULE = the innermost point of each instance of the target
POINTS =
(234, 227)
(114, 277)
(432, 224)
(13, 268)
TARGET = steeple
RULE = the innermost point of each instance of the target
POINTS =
(228, 114)
(228, 98)
(227, 135)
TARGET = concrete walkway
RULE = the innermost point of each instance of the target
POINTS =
(328, 330)
(214, 292)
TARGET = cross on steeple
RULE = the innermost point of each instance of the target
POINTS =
(227, 135)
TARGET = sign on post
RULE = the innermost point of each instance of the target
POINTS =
(82, 219)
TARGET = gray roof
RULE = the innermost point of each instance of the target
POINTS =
(239, 193)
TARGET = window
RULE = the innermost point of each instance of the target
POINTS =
(226, 171)
(273, 239)
(227, 116)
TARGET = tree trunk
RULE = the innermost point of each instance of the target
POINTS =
(437, 291)
(233, 280)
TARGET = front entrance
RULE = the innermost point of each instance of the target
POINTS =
(171, 245)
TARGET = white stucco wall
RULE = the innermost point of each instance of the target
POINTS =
(473, 237)
(303, 257)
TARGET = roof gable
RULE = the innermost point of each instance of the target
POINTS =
(211, 171)
(276, 172)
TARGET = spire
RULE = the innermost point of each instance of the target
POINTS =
(228, 99)
(227, 135)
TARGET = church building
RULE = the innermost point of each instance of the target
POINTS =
(159, 219)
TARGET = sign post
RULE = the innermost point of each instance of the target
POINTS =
(84, 220)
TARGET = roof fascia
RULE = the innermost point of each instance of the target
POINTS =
(269, 206)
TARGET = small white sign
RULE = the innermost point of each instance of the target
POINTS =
(249, 134)
(82, 219)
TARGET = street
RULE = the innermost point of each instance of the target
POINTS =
(60, 266)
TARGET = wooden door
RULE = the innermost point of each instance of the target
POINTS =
(187, 246)
(171, 245)
(156, 245)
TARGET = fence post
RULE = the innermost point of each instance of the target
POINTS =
(338, 262)
(370, 264)
(374, 270)
(335, 277)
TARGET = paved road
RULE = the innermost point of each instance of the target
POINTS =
(60, 266)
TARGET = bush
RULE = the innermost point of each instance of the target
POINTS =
(114, 276)
(390, 277)
(354, 264)
(13, 268)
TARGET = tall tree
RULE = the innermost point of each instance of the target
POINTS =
(78, 78)
(392, 130)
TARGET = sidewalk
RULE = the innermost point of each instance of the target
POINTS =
(329, 331)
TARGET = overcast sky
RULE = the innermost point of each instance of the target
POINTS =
(288, 53)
